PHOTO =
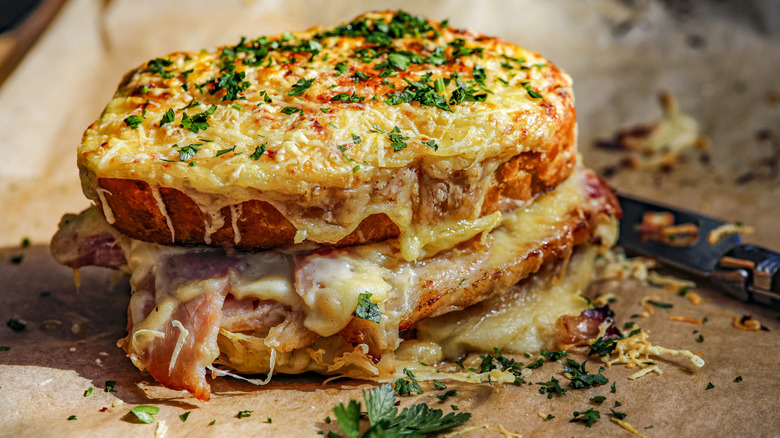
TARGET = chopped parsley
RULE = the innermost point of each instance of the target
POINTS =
(230, 81)
(385, 420)
(188, 152)
(222, 152)
(443, 397)
(325, 110)
(341, 67)
(110, 386)
(290, 110)
(700, 339)
(212, 422)
(347, 98)
(259, 151)
(168, 117)
(438, 385)
(634, 332)
(709, 386)
(17, 259)
(738, 379)
(360, 76)
(301, 86)
(266, 97)
(588, 417)
(72, 417)
(158, 66)
(531, 92)
(6, 349)
(421, 91)
(403, 387)
(243, 414)
(466, 93)
(145, 414)
(598, 399)
(580, 378)
(617, 403)
(88, 392)
(367, 309)
(356, 139)
(134, 121)
(537, 363)
(618, 415)
(397, 140)
(432, 144)
(184, 416)
(612, 388)
(602, 347)
(551, 388)
(660, 304)
(553, 356)
(199, 121)
(236, 106)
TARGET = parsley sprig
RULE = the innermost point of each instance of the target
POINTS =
(384, 419)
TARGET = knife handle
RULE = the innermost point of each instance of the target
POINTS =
(750, 273)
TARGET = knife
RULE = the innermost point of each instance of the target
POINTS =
(746, 272)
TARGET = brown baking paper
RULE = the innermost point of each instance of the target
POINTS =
(718, 61)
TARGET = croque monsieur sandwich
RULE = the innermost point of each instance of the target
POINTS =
(340, 200)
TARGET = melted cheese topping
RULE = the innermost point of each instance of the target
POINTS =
(528, 98)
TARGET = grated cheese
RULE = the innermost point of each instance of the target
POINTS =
(727, 230)
(669, 283)
(628, 427)
(183, 333)
(500, 429)
(636, 351)
(694, 298)
(685, 319)
(747, 323)
(162, 429)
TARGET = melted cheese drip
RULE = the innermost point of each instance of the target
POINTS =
(521, 321)
(107, 212)
(164, 211)
(334, 295)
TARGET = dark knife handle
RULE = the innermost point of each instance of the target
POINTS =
(750, 273)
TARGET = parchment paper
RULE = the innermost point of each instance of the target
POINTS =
(719, 59)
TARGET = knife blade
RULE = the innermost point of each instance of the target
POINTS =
(747, 272)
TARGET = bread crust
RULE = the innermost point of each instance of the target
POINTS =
(171, 217)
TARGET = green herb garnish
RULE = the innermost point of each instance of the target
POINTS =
(384, 419)
(301, 86)
(551, 388)
(243, 414)
(145, 414)
(134, 121)
(588, 417)
(397, 140)
(259, 151)
(367, 309)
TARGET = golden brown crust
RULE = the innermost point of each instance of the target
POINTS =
(139, 214)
